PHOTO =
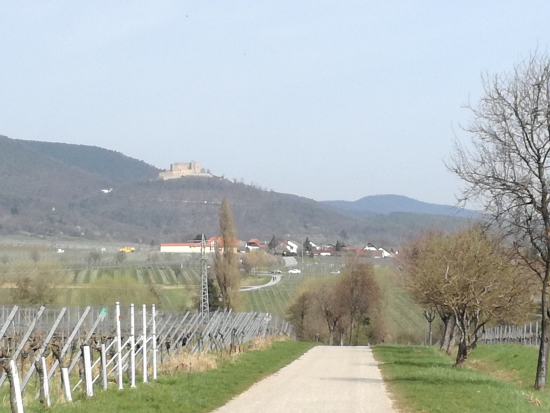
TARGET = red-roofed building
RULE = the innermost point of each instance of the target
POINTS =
(254, 244)
(358, 251)
(217, 242)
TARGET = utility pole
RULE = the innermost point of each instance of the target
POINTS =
(204, 309)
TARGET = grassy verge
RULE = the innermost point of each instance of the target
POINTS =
(193, 392)
(511, 362)
(422, 380)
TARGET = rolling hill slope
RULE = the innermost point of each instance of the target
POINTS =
(112, 165)
(55, 189)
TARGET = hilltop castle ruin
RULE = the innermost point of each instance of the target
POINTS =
(177, 170)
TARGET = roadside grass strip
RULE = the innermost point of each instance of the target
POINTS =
(422, 379)
(511, 362)
(195, 391)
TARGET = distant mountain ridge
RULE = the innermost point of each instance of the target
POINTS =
(386, 204)
(56, 189)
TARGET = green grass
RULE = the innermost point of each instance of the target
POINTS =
(191, 392)
(508, 361)
(421, 379)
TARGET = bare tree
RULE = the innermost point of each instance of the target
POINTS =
(297, 312)
(469, 275)
(226, 260)
(356, 291)
(507, 169)
(330, 307)
(35, 255)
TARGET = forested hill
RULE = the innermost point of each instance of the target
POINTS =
(112, 165)
(27, 173)
(56, 189)
(387, 204)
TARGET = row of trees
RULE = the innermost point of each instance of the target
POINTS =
(470, 280)
(335, 308)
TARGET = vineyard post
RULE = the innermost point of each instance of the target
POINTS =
(144, 343)
(154, 342)
(88, 371)
(132, 348)
(104, 366)
(44, 346)
(16, 387)
(46, 383)
(24, 340)
(68, 343)
(66, 383)
(118, 349)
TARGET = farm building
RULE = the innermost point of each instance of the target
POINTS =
(195, 246)
(182, 247)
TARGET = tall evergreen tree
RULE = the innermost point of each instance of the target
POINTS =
(272, 244)
(307, 245)
(226, 260)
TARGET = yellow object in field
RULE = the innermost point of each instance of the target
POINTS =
(127, 249)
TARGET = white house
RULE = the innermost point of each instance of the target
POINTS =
(292, 247)
(385, 254)
(181, 247)
(370, 247)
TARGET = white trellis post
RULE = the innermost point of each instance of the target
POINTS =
(16, 387)
(154, 342)
(46, 382)
(118, 348)
(66, 383)
(104, 366)
(144, 343)
(132, 348)
(88, 371)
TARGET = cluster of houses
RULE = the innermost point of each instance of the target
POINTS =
(371, 251)
(285, 247)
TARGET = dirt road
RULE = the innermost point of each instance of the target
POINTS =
(325, 379)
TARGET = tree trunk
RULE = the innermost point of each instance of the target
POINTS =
(351, 333)
(331, 337)
(452, 340)
(542, 363)
(7, 369)
(449, 323)
(40, 371)
(462, 353)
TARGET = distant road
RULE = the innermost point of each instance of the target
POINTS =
(274, 280)
(325, 379)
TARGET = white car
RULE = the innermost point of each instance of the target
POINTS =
(294, 271)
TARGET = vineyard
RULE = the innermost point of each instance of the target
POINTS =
(86, 349)
(145, 274)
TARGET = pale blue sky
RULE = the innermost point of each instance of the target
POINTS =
(329, 100)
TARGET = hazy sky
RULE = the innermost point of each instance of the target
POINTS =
(329, 100)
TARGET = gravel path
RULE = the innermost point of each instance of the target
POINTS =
(274, 281)
(325, 379)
